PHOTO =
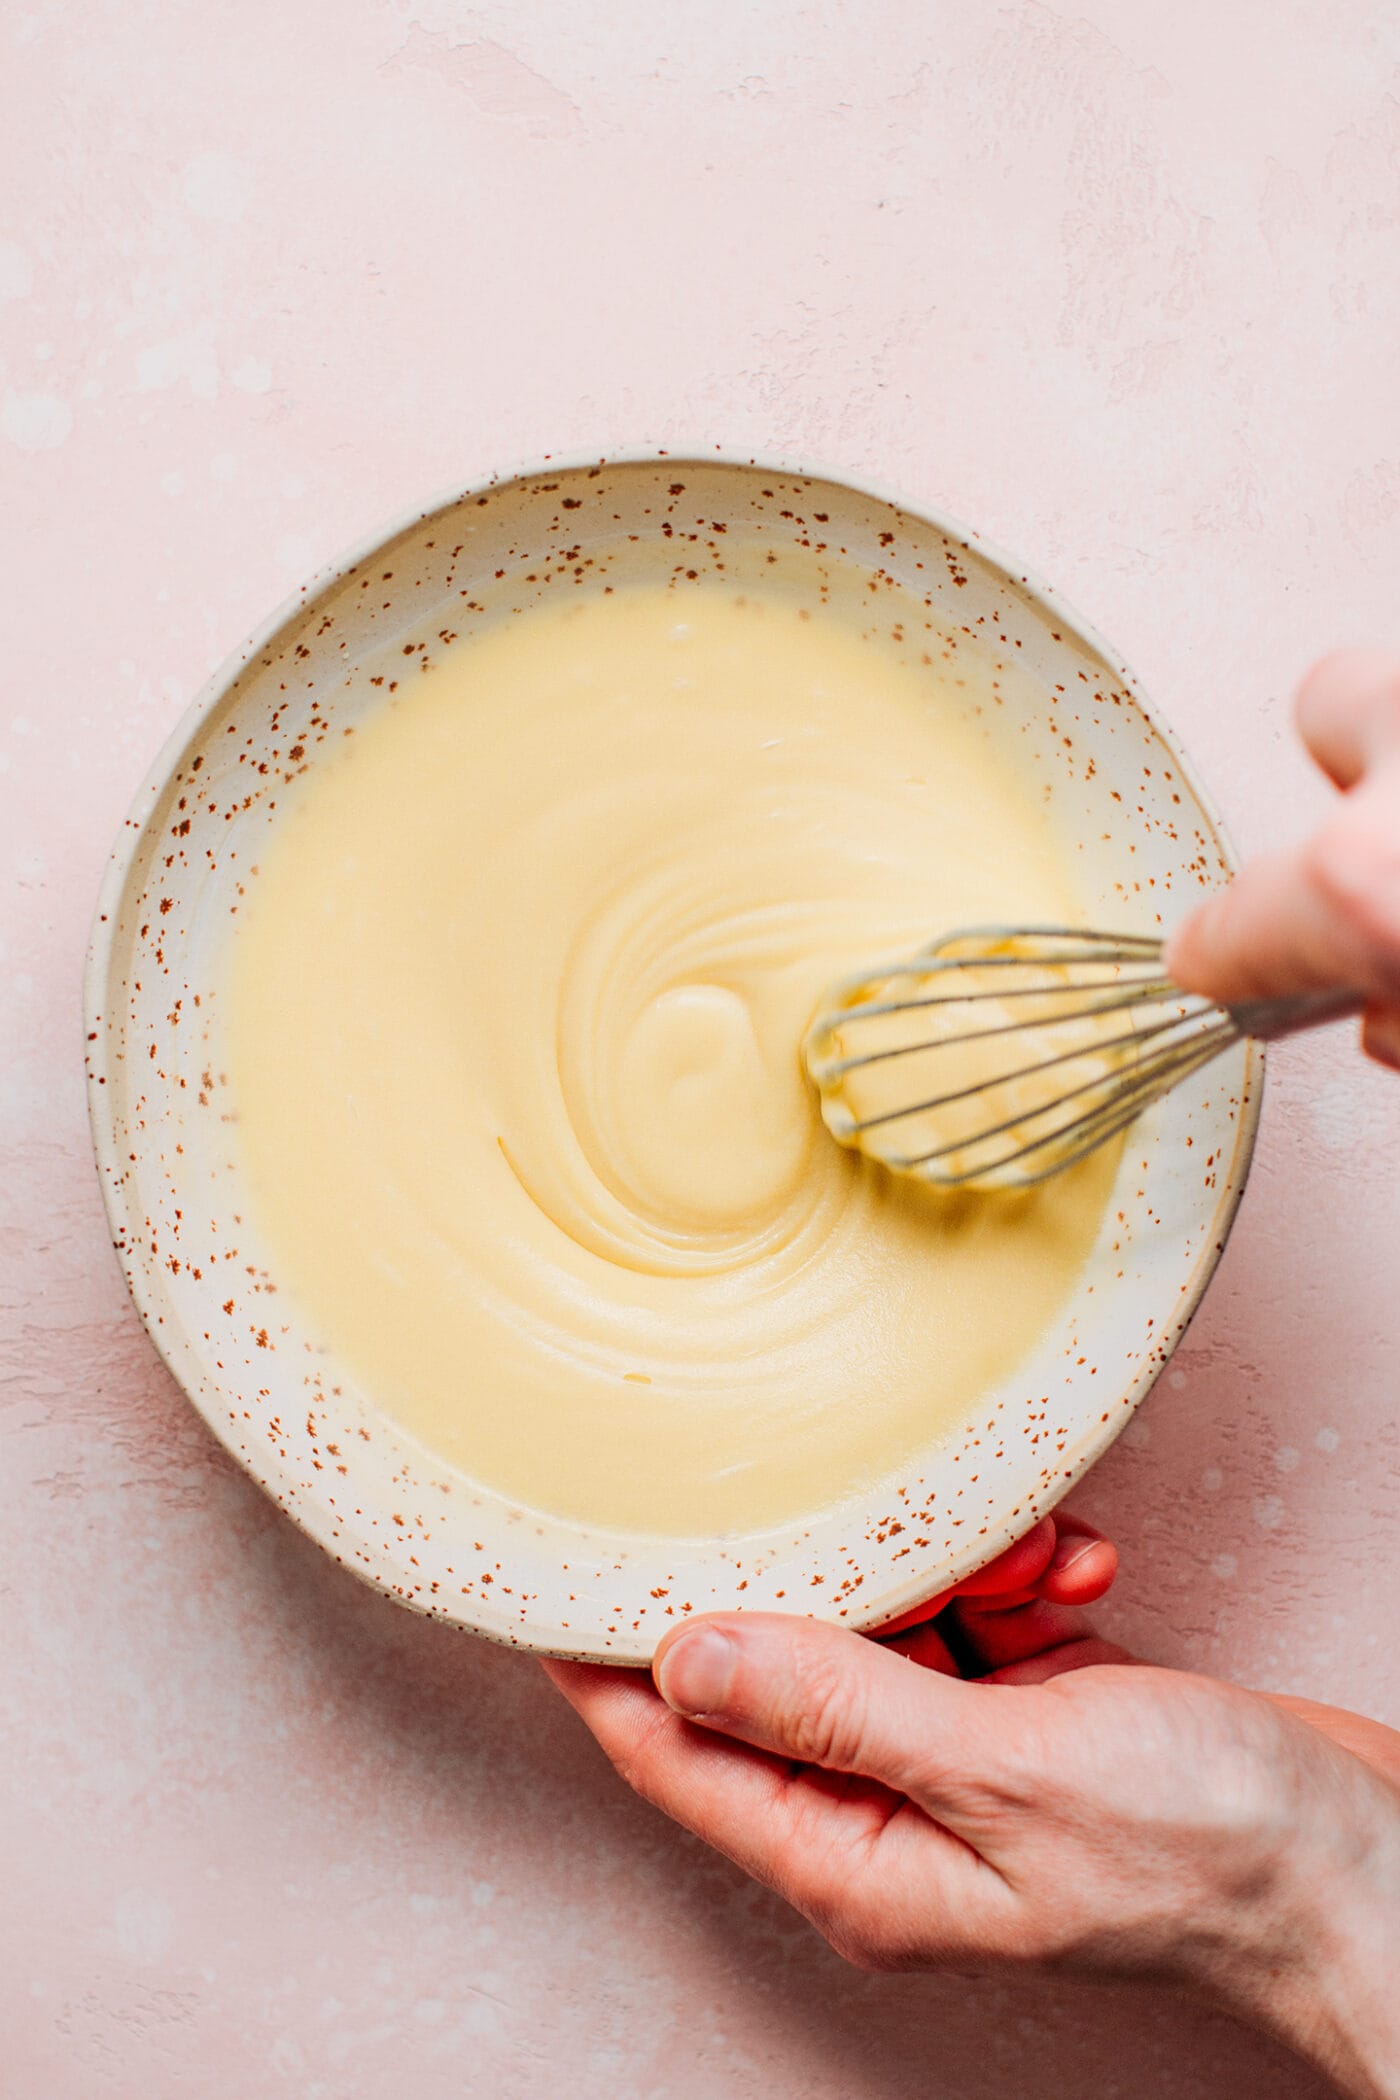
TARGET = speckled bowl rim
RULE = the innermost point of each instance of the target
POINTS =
(901, 1602)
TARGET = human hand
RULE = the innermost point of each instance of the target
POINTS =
(1069, 1809)
(1326, 917)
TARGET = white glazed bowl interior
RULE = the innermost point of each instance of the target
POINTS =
(1148, 844)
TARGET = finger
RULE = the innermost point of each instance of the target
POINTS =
(1348, 711)
(735, 1797)
(1323, 919)
(1014, 1572)
(926, 1646)
(1060, 1557)
(640, 1733)
(988, 1643)
(1082, 1568)
(1086, 1654)
(858, 1859)
(1020, 1567)
(986, 1640)
(817, 1693)
(1380, 1035)
(713, 1786)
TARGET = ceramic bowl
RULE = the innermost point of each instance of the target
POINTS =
(1149, 845)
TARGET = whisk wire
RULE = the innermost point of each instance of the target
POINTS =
(1078, 979)
(1089, 1010)
(1089, 1129)
(1100, 1048)
(1150, 987)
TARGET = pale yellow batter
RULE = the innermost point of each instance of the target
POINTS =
(514, 1025)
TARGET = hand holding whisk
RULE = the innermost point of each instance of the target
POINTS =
(1001, 1055)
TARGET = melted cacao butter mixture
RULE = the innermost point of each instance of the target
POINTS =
(514, 1021)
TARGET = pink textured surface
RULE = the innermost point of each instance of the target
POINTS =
(1116, 285)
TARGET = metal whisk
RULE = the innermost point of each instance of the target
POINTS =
(1001, 1055)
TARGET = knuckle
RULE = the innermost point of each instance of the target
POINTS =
(1017, 1776)
(1253, 1810)
(828, 1726)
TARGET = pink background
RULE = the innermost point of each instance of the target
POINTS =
(1117, 284)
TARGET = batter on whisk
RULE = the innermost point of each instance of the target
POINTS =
(514, 1025)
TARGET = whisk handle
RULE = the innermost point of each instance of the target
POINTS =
(1267, 1018)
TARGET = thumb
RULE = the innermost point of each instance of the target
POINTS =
(1323, 919)
(826, 1696)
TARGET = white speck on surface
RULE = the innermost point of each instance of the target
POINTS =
(287, 2054)
(43, 351)
(252, 375)
(1176, 1380)
(1225, 1566)
(482, 2018)
(483, 1894)
(143, 1925)
(1269, 1512)
(1212, 1480)
(223, 466)
(173, 483)
(16, 271)
(1327, 1440)
(217, 187)
(188, 357)
(35, 422)
(1286, 1458)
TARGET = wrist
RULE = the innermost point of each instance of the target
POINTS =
(1321, 1974)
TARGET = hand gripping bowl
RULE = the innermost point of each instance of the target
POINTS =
(1148, 845)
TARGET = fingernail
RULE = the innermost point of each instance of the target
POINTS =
(1068, 1553)
(695, 1673)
